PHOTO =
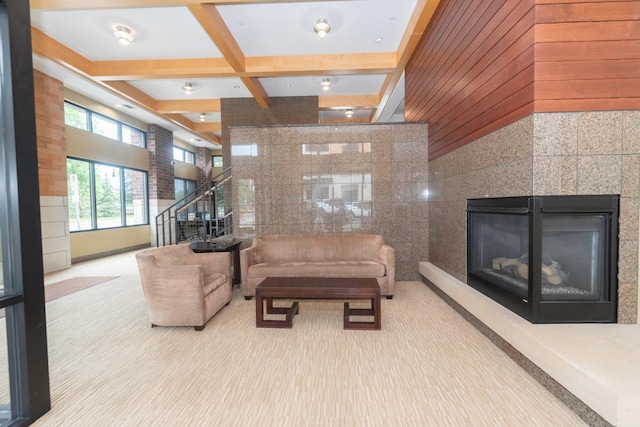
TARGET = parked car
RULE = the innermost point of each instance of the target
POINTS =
(332, 206)
(359, 209)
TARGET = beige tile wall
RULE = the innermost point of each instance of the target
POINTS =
(543, 154)
(291, 169)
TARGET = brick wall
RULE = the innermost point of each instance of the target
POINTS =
(50, 130)
(160, 146)
(203, 162)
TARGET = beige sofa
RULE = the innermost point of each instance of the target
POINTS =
(318, 255)
(182, 288)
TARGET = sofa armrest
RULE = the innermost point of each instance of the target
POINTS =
(387, 255)
(248, 257)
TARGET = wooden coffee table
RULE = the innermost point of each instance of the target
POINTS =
(317, 287)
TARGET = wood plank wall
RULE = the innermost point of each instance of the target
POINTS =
(482, 65)
(587, 55)
(472, 72)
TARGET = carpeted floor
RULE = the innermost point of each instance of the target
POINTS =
(426, 367)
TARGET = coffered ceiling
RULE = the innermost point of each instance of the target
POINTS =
(230, 49)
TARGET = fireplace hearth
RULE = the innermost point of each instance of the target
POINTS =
(550, 259)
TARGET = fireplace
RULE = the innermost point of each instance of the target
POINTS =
(550, 259)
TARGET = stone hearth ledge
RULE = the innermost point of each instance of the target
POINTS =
(598, 363)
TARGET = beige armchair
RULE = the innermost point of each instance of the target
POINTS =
(182, 288)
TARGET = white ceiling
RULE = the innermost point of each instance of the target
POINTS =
(260, 29)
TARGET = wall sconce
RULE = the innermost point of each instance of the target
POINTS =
(188, 88)
(124, 35)
(322, 28)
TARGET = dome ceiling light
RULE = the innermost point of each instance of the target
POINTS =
(322, 28)
(188, 88)
(124, 35)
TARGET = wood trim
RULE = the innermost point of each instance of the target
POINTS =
(587, 31)
(587, 12)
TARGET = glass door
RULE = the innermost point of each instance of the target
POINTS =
(24, 370)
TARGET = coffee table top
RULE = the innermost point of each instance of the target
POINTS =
(326, 283)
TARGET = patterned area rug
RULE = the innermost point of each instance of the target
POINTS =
(68, 286)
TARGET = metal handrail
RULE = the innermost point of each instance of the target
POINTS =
(207, 194)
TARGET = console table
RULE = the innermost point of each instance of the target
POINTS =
(233, 247)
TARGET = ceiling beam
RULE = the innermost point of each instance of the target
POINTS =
(147, 69)
(204, 127)
(212, 22)
(182, 106)
(336, 102)
(132, 94)
(111, 4)
(259, 66)
(418, 23)
(353, 63)
(49, 48)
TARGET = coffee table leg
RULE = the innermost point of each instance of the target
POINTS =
(261, 322)
(373, 311)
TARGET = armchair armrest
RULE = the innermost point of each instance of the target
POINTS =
(212, 262)
(176, 288)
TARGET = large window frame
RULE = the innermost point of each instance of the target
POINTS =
(183, 155)
(123, 133)
(82, 199)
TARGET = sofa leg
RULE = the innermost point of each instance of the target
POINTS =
(248, 297)
(389, 296)
(153, 326)
(198, 328)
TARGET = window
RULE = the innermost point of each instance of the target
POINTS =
(133, 136)
(217, 161)
(75, 116)
(183, 155)
(105, 196)
(183, 187)
(90, 121)
(104, 126)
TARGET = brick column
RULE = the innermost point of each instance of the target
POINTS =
(52, 171)
(161, 174)
(203, 162)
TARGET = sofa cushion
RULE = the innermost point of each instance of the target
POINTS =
(318, 269)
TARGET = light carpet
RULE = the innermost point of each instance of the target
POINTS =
(426, 367)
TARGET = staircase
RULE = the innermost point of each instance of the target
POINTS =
(199, 216)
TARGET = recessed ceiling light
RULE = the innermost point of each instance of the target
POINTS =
(287, 85)
(236, 87)
(379, 40)
(326, 84)
(202, 116)
(349, 113)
